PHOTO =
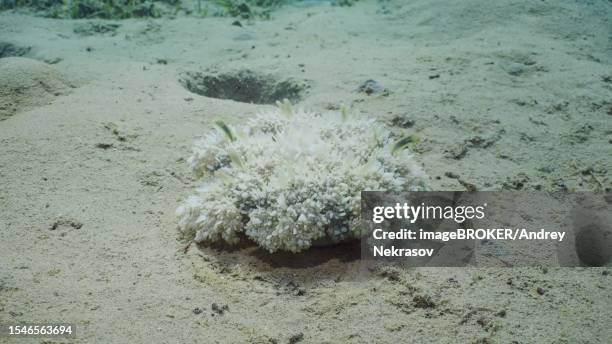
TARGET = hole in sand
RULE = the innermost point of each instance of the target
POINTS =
(244, 86)
(8, 49)
(593, 245)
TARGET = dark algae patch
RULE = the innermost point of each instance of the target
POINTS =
(80, 9)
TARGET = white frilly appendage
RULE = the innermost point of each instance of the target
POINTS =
(289, 178)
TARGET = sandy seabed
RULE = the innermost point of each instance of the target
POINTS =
(503, 94)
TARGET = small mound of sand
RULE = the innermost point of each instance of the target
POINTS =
(26, 83)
